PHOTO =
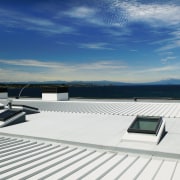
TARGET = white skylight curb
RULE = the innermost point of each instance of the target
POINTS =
(145, 138)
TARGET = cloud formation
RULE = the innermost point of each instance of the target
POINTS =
(91, 40)
(97, 70)
(82, 12)
(168, 43)
(163, 13)
(169, 58)
(55, 70)
(13, 19)
(119, 13)
(97, 46)
(97, 65)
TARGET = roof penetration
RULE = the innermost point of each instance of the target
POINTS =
(26, 109)
(1, 106)
(10, 117)
(146, 124)
(8, 114)
(148, 129)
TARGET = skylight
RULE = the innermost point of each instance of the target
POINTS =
(146, 124)
(148, 129)
(10, 117)
(8, 114)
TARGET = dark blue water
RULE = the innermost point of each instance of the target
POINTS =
(148, 91)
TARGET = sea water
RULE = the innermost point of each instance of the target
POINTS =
(115, 92)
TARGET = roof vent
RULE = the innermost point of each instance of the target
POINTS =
(149, 129)
(1, 106)
(3, 93)
(24, 108)
(55, 94)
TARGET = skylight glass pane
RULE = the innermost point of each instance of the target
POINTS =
(8, 114)
(145, 124)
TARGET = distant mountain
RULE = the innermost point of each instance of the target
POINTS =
(99, 83)
(166, 82)
(114, 83)
(96, 83)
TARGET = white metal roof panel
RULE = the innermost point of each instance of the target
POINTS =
(91, 124)
(95, 129)
(166, 170)
(164, 109)
(48, 160)
(150, 170)
(176, 173)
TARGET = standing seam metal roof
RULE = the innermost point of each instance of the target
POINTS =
(22, 158)
(116, 108)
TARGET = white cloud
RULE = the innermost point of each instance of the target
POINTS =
(8, 75)
(13, 19)
(159, 69)
(86, 14)
(117, 32)
(169, 58)
(169, 45)
(154, 14)
(97, 46)
(120, 14)
(176, 33)
(32, 63)
(81, 12)
(133, 50)
(95, 65)
(20, 70)
(97, 15)
(38, 21)
(146, 74)
(103, 65)
(166, 53)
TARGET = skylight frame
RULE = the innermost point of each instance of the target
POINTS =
(132, 128)
(7, 114)
(1, 107)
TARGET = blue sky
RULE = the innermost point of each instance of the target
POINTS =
(117, 40)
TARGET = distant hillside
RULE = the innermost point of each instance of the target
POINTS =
(114, 83)
(90, 83)
(167, 82)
